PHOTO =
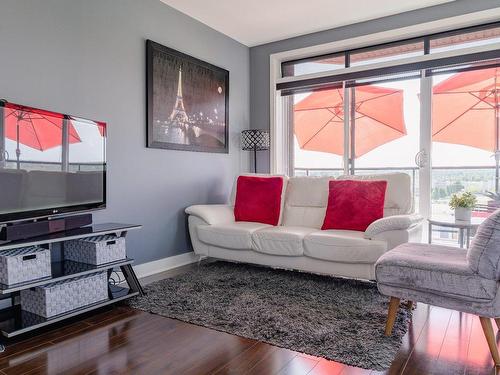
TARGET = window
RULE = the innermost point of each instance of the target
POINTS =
(392, 52)
(465, 136)
(401, 107)
(459, 39)
(318, 127)
(313, 65)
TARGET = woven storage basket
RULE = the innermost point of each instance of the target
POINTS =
(24, 264)
(96, 250)
(61, 297)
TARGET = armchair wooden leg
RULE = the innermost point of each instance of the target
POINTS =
(497, 321)
(391, 316)
(490, 338)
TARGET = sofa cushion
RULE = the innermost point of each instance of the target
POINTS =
(286, 241)
(306, 200)
(307, 191)
(343, 246)
(258, 199)
(484, 252)
(398, 196)
(232, 197)
(439, 270)
(236, 235)
(354, 205)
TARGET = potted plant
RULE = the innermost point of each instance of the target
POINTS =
(463, 205)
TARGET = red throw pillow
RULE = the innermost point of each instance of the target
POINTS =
(354, 204)
(258, 199)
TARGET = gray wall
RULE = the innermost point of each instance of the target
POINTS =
(259, 55)
(87, 57)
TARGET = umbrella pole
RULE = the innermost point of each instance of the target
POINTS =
(18, 150)
(497, 174)
(65, 145)
(352, 155)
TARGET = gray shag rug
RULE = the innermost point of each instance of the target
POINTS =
(338, 319)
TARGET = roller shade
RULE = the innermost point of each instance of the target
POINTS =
(354, 77)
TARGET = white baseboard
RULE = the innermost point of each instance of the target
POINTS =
(165, 264)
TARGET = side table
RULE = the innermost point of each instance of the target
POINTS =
(465, 228)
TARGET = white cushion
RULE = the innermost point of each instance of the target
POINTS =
(398, 198)
(307, 191)
(306, 201)
(235, 235)
(343, 246)
(232, 199)
(311, 217)
(281, 240)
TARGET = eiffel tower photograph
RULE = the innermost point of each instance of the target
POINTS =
(187, 102)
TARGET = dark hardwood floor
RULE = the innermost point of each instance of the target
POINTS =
(121, 340)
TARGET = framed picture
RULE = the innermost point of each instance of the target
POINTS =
(187, 102)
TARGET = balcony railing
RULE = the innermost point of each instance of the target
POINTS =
(446, 180)
(412, 171)
(53, 165)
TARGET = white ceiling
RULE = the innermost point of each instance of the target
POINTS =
(254, 22)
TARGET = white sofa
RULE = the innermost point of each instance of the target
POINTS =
(298, 242)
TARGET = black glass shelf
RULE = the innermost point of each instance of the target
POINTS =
(62, 271)
(91, 230)
(14, 321)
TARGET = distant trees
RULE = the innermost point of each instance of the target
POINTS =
(454, 188)
(439, 193)
(447, 191)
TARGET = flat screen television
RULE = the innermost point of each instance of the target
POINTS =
(50, 163)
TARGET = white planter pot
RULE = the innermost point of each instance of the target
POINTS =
(463, 214)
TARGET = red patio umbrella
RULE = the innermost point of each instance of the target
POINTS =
(35, 128)
(319, 119)
(465, 111)
(102, 128)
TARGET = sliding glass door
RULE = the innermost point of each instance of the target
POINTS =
(465, 138)
(385, 129)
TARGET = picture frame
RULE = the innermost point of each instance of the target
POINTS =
(187, 102)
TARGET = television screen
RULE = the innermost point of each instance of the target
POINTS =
(50, 163)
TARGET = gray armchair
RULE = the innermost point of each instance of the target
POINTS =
(467, 281)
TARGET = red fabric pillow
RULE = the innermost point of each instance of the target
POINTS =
(258, 199)
(354, 204)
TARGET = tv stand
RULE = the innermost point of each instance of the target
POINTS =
(14, 321)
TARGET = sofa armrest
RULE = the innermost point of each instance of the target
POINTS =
(212, 213)
(390, 223)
